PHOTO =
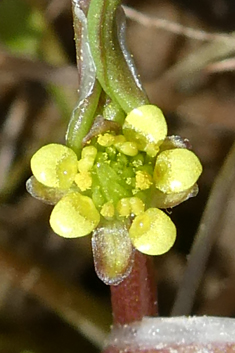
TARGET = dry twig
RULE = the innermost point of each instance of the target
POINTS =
(173, 27)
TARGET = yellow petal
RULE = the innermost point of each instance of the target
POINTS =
(176, 170)
(74, 216)
(147, 127)
(55, 166)
(152, 232)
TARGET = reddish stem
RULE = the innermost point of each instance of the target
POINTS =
(135, 297)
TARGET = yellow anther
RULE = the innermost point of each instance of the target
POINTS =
(106, 140)
(137, 205)
(83, 180)
(89, 151)
(107, 210)
(128, 181)
(87, 160)
(128, 148)
(84, 165)
(137, 163)
(143, 180)
(119, 139)
(124, 207)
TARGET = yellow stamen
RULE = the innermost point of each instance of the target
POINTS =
(137, 205)
(107, 210)
(128, 148)
(119, 139)
(106, 140)
(88, 158)
(89, 151)
(124, 207)
(143, 180)
(83, 180)
(152, 150)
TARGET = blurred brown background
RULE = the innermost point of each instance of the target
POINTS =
(50, 297)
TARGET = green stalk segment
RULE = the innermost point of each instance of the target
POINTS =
(82, 120)
(113, 71)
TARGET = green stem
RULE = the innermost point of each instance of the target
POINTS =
(82, 119)
(113, 71)
(89, 88)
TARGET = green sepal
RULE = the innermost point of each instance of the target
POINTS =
(112, 251)
(163, 200)
(44, 193)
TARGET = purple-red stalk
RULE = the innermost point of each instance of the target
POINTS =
(135, 297)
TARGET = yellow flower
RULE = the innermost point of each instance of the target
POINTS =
(115, 184)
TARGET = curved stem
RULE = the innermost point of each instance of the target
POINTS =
(89, 88)
(82, 119)
(113, 71)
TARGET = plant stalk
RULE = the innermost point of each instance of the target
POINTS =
(135, 297)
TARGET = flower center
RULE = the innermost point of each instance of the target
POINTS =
(114, 173)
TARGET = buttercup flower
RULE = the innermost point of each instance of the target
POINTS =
(117, 189)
